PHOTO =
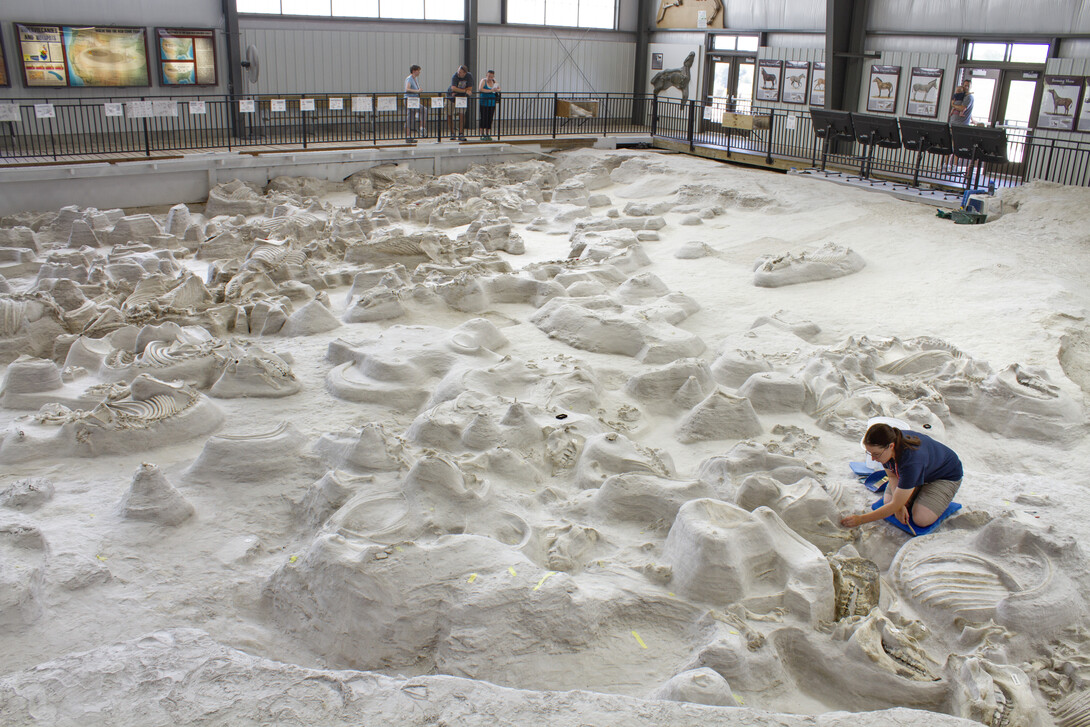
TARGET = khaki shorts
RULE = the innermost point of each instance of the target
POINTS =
(452, 111)
(936, 496)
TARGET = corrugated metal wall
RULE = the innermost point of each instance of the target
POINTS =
(1066, 67)
(539, 63)
(335, 61)
(789, 54)
(968, 17)
(908, 61)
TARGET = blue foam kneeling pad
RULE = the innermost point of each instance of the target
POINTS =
(892, 519)
(860, 469)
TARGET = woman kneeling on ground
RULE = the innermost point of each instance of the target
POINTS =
(924, 475)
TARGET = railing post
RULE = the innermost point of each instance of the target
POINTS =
(556, 109)
(147, 138)
(771, 130)
(1026, 155)
(691, 125)
(655, 115)
(374, 120)
(303, 114)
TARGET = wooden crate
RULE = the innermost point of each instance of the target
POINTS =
(582, 109)
(745, 121)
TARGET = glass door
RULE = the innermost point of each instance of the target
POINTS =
(730, 83)
(1018, 90)
(743, 89)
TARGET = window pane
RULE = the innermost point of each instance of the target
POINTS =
(987, 51)
(562, 12)
(528, 12)
(405, 9)
(724, 42)
(305, 7)
(444, 9)
(595, 13)
(1029, 53)
(748, 42)
(259, 6)
(355, 8)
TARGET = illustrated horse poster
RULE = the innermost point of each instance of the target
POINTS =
(1084, 114)
(796, 79)
(817, 84)
(769, 76)
(882, 90)
(924, 89)
(1059, 102)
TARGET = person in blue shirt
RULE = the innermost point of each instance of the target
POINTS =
(414, 116)
(924, 475)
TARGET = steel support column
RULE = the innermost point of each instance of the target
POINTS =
(845, 33)
(232, 41)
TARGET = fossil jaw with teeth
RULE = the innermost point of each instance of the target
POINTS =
(996, 695)
(876, 639)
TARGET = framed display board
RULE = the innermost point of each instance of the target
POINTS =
(924, 89)
(5, 76)
(187, 56)
(817, 84)
(882, 89)
(82, 56)
(769, 75)
(1059, 102)
(1084, 114)
(796, 82)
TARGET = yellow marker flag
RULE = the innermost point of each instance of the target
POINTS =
(738, 699)
(293, 558)
(511, 570)
(639, 640)
(101, 557)
(472, 577)
(544, 578)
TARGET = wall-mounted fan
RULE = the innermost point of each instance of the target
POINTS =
(252, 64)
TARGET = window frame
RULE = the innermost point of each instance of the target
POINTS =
(504, 15)
(363, 18)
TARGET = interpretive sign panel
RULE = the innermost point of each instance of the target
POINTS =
(187, 56)
(924, 89)
(62, 55)
(882, 93)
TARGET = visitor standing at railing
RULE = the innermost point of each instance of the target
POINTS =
(961, 104)
(490, 94)
(414, 117)
(461, 86)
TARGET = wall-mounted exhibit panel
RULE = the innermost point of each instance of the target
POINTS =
(5, 76)
(187, 56)
(57, 56)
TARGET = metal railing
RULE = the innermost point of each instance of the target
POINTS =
(86, 128)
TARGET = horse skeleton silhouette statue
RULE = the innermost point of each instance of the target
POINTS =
(1058, 101)
(676, 77)
(924, 88)
(885, 86)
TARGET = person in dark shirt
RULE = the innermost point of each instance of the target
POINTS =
(924, 475)
(461, 86)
